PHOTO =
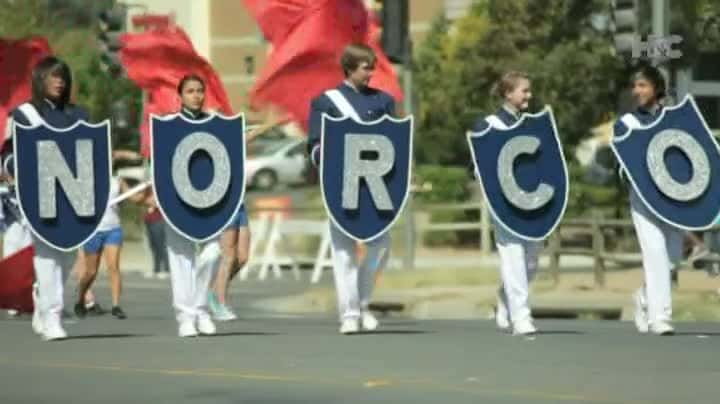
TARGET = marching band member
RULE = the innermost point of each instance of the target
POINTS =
(106, 244)
(354, 281)
(50, 103)
(660, 243)
(190, 276)
(518, 257)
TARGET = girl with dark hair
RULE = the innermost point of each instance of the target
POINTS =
(235, 240)
(660, 243)
(518, 257)
(50, 104)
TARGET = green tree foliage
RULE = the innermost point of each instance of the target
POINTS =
(572, 66)
(74, 40)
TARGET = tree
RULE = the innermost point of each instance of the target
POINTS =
(73, 40)
(571, 64)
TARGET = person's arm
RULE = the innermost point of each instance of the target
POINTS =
(315, 126)
(122, 154)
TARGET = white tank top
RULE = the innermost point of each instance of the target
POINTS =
(111, 220)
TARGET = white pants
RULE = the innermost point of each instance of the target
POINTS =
(661, 247)
(52, 268)
(190, 277)
(518, 266)
(17, 236)
(354, 281)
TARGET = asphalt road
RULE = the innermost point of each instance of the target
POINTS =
(274, 358)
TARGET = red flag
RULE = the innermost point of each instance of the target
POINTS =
(17, 60)
(307, 40)
(16, 279)
(156, 61)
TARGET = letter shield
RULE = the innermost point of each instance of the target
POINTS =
(365, 173)
(523, 174)
(198, 169)
(63, 180)
(673, 165)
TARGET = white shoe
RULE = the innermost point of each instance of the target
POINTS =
(149, 275)
(221, 312)
(163, 275)
(37, 323)
(524, 327)
(369, 322)
(349, 327)
(662, 328)
(187, 329)
(502, 315)
(205, 325)
(640, 316)
(54, 332)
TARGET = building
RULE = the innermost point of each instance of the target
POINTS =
(224, 33)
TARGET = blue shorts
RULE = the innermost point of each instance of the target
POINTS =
(103, 238)
(240, 219)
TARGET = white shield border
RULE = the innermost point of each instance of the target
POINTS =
(545, 111)
(106, 124)
(326, 117)
(171, 117)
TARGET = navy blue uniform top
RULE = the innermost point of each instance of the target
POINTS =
(645, 117)
(57, 117)
(193, 115)
(369, 103)
(505, 116)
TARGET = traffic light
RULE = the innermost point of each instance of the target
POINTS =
(625, 17)
(111, 25)
(395, 21)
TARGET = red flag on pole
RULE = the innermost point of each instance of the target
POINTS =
(16, 279)
(156, 61)
(308, 37)
(17, 61)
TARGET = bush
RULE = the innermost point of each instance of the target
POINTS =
(449, 185)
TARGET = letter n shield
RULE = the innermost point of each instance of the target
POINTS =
(674, 165)
(63, 180)
(523, 174)
(198, 169)
(365, 173)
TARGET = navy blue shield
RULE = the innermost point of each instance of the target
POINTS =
(365, 173)
(674, 166)
(63, 180)
(198, 169)
(523, 174)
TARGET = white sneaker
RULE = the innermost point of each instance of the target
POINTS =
(205, 325)
(187, 329)
(163, 275)
(37, 323)
(502, 315)
(349, 326)
(54, 332)
(149, 275)
(37, 320)
(369, 322)
(662, 328)
(524, 327)
(640, 316)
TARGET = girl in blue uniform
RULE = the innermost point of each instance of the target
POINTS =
(660, 243)
(518, 257)
(50, 103)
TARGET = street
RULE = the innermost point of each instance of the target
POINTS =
(277, 358)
